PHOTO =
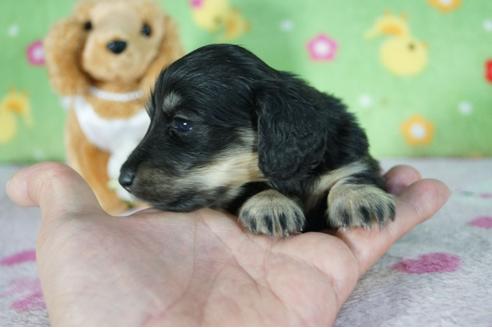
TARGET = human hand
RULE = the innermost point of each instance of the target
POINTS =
(199, 268)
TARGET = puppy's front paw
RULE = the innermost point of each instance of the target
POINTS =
(355, 205)
(271, 213)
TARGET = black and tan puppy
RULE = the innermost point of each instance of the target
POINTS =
(230, 132)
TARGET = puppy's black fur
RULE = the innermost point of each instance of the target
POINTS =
(228, 131)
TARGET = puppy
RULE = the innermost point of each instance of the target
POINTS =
(229, 132)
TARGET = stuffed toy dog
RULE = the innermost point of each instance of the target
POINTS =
(103, 60)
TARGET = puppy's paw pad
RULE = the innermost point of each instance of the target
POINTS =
(271, 213)
(351, 205)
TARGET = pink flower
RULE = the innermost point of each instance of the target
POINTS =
(484, 222)
(429, 263)
(196, 3)
(322, 47)
(28, 255)
(35, 53)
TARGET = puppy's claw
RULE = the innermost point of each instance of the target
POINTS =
(352, 205)
(271, 213)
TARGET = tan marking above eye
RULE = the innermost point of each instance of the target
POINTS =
(171, 100)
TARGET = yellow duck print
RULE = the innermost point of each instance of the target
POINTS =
(213, 15)
(402, 54)
(13, 104)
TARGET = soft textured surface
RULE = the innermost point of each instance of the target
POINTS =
(21, 301)
(439, 274)
(441, 108)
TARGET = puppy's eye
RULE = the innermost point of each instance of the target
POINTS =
(181, 125)
(146, 30)
(88, 25)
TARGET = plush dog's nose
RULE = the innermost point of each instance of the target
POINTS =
(126, 177)
(116, 46)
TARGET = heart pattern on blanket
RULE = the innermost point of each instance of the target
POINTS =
(24, 293)
(429, 263)
(484, 222)
(19, 257)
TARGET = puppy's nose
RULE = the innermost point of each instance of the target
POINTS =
(116, 46)
(126, 177)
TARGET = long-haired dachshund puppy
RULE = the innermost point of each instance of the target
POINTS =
(229, 132)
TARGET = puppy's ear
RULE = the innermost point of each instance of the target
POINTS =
(291, 131)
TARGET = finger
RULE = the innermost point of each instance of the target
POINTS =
(415, 204)
(399, 177)
(53, 187)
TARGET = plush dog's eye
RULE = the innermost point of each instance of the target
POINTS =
(146, 30)
(88, 25)
(182, 125)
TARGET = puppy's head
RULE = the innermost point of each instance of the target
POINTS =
(221, 118)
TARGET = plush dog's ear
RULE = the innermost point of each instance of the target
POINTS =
(170, 50)
(63, 52)
(291, 131)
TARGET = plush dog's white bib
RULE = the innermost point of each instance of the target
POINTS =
(108, 134)
(116, 136)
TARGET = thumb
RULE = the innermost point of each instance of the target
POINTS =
(54, 187)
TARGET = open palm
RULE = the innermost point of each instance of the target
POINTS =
(199, 268)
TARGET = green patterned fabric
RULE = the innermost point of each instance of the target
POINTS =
(418, 74)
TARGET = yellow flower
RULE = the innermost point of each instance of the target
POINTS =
(417, 130)
(14, 103)
(445, 5)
